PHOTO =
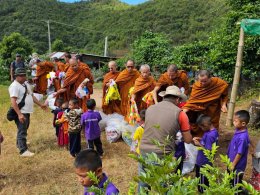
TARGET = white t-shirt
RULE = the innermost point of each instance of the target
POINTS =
(17, 90)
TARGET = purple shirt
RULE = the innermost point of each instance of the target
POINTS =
(209, 138)
(110, 190)
(90, 121)
(239, 145)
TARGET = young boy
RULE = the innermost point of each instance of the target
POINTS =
(73, 117)
(89, 121)
(89, 160)
(139, 131)
(209, 137)
(238, 147)
(55, 112)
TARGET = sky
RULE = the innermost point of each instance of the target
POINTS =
(132, 2)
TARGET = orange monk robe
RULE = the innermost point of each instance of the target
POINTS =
(60, 67)
(42, 69)
(125, 81)
(207, 100)
(67, 66)
(141, 88)
(114, 105)
(84, 65)
(181, 80)
(73, 80)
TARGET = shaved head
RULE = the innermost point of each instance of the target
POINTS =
(112, 66)
(204, 78)
(145, 71)
(73, 64)
(172, 68)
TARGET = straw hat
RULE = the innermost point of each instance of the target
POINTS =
(174, 91)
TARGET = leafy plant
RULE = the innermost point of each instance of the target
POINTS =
(94, 188)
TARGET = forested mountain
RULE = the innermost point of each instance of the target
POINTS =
(84, 25)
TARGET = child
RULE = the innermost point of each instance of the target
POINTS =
(62, 121)
(89, 121)
(179, 150)
(55, 112)
(238, 147)
(73, 117)
(89, 160)
(209, 137)
(139, 131)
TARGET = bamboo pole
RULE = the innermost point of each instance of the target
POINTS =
(239, 61)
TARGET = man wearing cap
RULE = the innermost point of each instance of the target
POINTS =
(18, 63)
(17, 90)
(163, 120)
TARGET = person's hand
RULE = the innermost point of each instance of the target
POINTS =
(132, 99)
(108, 84)
(55, 94)
(44, 107)
(224, 108)
(232, 167)
(185, 110)
(21, 118)
(196, 141)
(57, 122)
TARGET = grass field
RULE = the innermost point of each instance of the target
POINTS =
(51, 170)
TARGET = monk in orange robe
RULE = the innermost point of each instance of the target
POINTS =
(209, 96)
(173, 76)
(114, 105)
(42, 69)
(144, 84)
(81, 63)
(74, 78)
(125, 81)
(59, 67)
(67, 57)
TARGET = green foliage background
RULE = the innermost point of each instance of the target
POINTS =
(88, 22)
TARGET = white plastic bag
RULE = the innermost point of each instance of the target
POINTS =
(50, 102)
(103, 123)
(112, 134)
(191, 153)
(38, 96)
(127, 134)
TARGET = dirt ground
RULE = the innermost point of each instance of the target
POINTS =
(51, 170)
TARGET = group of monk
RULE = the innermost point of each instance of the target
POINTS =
(208, 95)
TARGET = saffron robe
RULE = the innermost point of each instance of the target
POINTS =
(181, 80)
(73, 80)
(42, 69)
(206, 100)
(125, 81)
(114, 105)
(141, 88)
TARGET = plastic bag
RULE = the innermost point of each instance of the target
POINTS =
(112, 93)
(148, 99)
(103, 123)
(191, 153)
(112, 134)
(50, 102)
(38, 96)
(127, 134)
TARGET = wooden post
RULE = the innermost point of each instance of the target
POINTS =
(239, 62)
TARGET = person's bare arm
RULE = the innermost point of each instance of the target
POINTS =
(59, 92)
(44, 107)
(236, 160)
(17, 110)
(155, 90)
(187, 136)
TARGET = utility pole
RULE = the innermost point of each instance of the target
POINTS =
(49, 35)
(105, 51)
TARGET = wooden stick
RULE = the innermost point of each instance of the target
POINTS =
(239, 61)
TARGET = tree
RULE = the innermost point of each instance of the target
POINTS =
(57, 45)
(10, 45)
(153, 49)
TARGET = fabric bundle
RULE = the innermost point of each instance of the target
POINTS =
(148, 99)
(134, 116)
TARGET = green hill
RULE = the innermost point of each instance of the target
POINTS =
(84, 25)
